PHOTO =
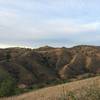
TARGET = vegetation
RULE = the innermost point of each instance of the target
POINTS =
(87, 93)
(88, 89)
(8, 56)
(7, 87)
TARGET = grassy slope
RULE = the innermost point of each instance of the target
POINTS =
(46, 93)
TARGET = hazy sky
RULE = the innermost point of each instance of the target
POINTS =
(34, 23)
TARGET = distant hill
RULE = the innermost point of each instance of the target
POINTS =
(47, 64)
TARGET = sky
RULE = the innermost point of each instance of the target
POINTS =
(35, 23)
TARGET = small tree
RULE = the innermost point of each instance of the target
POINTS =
(7, 87)
(8, 56)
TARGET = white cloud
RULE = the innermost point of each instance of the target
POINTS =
(67, 27)
(43, 19)
(92, 26)
(5, 45)
(7, 14)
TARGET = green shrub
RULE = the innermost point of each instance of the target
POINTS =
(18, 91)
(7, 87)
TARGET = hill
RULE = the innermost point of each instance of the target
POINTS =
(88, 89)
(41, 67)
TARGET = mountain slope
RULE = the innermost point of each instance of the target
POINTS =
(55, 92)
(47, 64)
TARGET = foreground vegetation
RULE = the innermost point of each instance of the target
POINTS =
(8, 85)
(87, 89)
(86, 93)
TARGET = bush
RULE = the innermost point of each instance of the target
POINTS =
(7, 87)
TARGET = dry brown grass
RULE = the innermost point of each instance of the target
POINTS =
(87, 89)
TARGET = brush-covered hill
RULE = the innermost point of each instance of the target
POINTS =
(87, 89)
(46, 65)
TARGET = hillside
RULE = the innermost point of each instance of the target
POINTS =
(47, 65)
(55, 92)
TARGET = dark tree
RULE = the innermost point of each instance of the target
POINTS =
(8, 56)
